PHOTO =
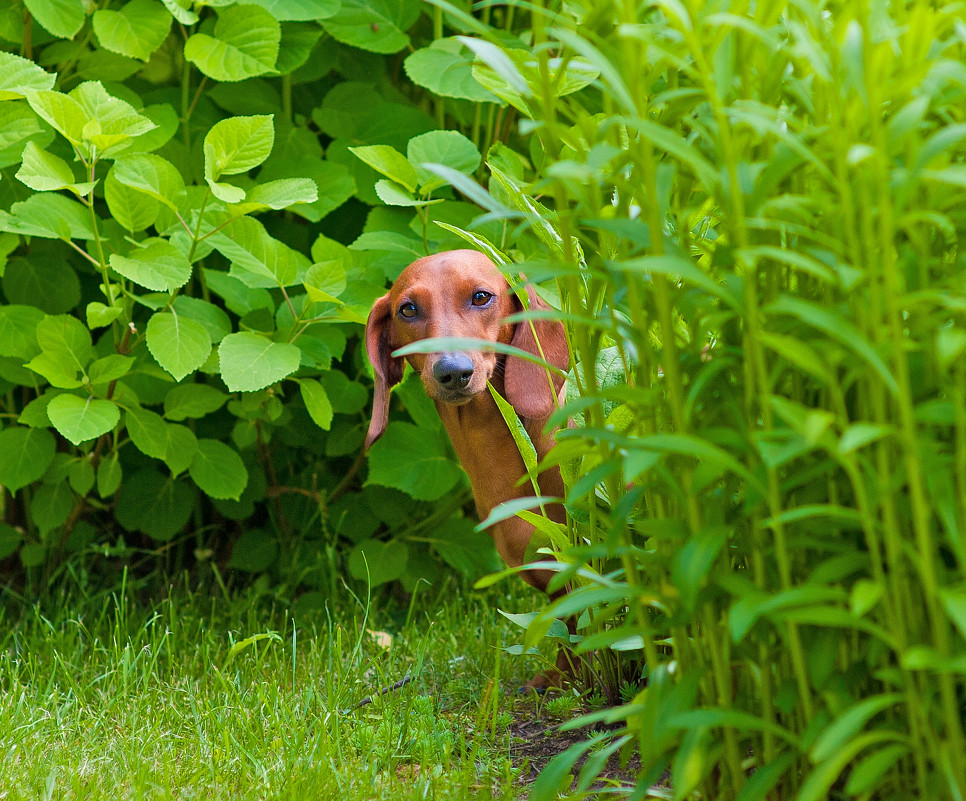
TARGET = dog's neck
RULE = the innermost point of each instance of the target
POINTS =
(489, 455)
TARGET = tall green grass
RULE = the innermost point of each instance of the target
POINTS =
(754, 214)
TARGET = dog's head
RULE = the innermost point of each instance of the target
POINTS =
(460, 293)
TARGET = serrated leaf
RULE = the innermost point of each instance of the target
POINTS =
(392, 194)
(109, 368)
(45, 172)
(316, 402)
(192, 400)
(133, 209)
(19, 75)
(18, 326)
(446, 69)
(376, 25)
(153, 175)
(389, 162)
(98, 315)
(151, 503)
(156, 264)
(278, 194)
(147, 431)
(27, 453)
(299, 10)
(81, 419)
(248, 246)
(449, 148)
(178, 344)
(414, 461)
(249, 362)
(109, 474)
(62, 18)
(48, 215)
(325, 281)
(218, 470)
(182, 447)
(244, 44)
(237, 144)
(135, 30)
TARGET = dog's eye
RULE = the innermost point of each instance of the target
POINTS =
(481, 298)
(408, 310)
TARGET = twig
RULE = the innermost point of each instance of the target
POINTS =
(368, 699)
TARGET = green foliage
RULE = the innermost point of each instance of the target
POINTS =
(184, 286)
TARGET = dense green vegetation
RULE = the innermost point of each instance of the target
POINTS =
(750, 217)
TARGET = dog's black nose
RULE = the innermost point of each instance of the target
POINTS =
(453, 370)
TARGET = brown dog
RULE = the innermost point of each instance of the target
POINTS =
(461, 293)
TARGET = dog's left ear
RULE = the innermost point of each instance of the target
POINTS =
(527, 386)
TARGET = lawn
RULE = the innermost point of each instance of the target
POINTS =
(201, 697)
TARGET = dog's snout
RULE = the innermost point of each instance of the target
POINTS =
(453, 370)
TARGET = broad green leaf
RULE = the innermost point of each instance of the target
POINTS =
(218, 470)
(27, 453)
(98, 315)
(156, 264)
(378, 562)
(132, 208)
(178, 344)
(280, 194)
(111, 123)
(109, 368)
(181, 11)
(51, 506)
(325, 281)
(299, 10)
(19, 125)
(19, 75)
(158, 506)
(250, 362)
(45, 172)
(213, 318)
(414, 461)
(135, 30)
(376, 25)
(449, 148)
(192, 400)
(65, 336)
(261, 260)
(446, 69)
(390, 162)
(238, 144)
(182, 447)
(48, 215)
(316, 402)
(109, 475)
(18, 325)
(153, 175)
(392, 194)
(147, 431)
(81, 419)
(62, 18)
(243, 44)
(63, 112)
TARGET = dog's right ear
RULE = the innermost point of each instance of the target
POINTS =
(387, 370)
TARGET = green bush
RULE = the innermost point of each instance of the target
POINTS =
(194, 225)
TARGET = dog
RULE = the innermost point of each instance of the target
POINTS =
(461, 293)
